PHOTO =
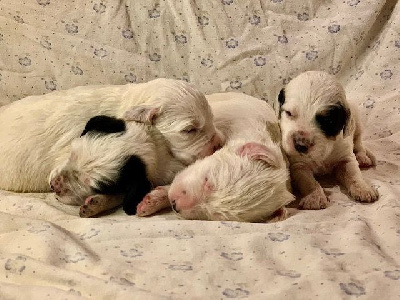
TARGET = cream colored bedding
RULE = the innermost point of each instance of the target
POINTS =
(347, 251)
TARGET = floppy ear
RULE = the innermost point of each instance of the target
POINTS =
(133, 180)
(333, 120)
(261, 152)
(104, 124)
(143, 114)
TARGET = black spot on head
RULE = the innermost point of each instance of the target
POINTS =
(104, 124)
(281, 97)
(132, 182)
(333, 119)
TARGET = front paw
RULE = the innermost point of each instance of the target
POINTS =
(153, 202)
(315, 200)
(365, 159)
(362, 192)
(93, 206)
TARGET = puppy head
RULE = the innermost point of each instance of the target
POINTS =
(182, 115)
(313, 113)
(103, 164)
(243, 181)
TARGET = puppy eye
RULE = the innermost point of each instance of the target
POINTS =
(288, 113)
(190, 130)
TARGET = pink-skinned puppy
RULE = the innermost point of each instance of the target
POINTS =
(247, 180)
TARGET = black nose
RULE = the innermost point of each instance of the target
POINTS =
(52, 187)
(300, 147)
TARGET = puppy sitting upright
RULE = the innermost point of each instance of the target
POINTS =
(321, 134)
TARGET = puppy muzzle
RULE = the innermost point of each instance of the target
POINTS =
(301, 141)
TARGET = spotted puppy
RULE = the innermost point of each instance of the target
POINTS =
(321, 134)
(36, 132)
(114, 162)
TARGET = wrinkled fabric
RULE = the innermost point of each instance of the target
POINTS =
(347, 251)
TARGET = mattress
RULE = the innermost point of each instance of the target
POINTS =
(346, 251)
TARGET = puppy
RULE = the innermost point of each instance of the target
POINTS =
(114, 162)
(37, 131)
(247, 180)
(321, 134)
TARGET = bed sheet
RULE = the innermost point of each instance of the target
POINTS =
(347, 251)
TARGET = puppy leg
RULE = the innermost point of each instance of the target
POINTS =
(349, 174)
(154, 201)
(313, 196)
(97, 204)
(364, 157)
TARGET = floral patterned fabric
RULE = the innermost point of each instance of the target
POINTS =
(347, 251)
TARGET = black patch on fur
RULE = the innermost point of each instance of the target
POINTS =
(281, 97)
(132, 182)
(332, 120)
(104, 124)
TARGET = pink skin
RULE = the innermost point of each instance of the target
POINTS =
(153, 202)
(181, 199)
(57, 185)
(258, 152)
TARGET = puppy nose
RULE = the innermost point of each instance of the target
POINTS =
(173, 204)
(301, 142)
(300, 148)
(217, 147)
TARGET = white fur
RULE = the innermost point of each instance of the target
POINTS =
(237, 182)
(37, 131)
(305, 96)
(96, 159)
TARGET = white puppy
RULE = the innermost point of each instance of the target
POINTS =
(247, 180)
(37, 131)
(321, 134)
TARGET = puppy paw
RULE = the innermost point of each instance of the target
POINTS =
(97, 204)
(315, 200)
(362, 192)
(365, 159)
(153, 202)
(85, 211)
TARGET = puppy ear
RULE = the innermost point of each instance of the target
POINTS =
(334, 119)
(104, 124)
(133, 180)
(261, 152)
(142, 114)
(281, 97)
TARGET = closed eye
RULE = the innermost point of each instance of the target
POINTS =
(190, 130)
(288, 113)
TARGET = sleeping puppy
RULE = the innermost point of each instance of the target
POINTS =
(37, 131)
(246, 180)
(321, 134)
(114, 162)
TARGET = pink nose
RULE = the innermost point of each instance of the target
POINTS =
(213, 145)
